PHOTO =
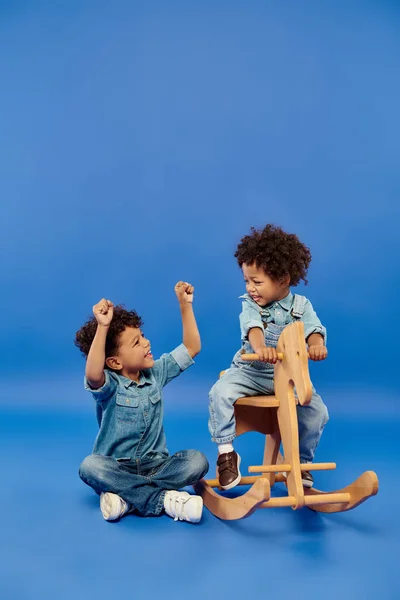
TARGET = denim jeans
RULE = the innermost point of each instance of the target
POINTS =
(237, 382)
(143, 485)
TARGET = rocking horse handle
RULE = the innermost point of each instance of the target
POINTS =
(256, 357)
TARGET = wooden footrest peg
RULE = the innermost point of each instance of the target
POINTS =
(270, 469)
(282, 468)
(334, 498)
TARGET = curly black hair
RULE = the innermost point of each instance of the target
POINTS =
(122, 319)
(277, 252)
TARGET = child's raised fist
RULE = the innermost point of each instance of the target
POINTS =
(184, 292)
(103, 312)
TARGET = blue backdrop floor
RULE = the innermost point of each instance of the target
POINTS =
(55, 543)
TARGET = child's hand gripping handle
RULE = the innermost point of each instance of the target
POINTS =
(250, 357)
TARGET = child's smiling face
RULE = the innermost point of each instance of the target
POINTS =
(133, 354)
(261, 287)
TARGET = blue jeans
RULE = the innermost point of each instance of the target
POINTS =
(143, 485)
(237, 382)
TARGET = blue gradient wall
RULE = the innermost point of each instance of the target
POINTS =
(140, 141)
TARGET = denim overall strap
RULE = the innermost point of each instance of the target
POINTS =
(298, 307)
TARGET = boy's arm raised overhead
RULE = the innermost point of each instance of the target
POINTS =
(103, 312)
(172, 364)
(191, 336)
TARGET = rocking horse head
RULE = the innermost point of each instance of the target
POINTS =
(294, 363)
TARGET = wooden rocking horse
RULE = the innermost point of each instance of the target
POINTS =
(276, 417)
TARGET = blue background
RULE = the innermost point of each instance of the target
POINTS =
(139, 142)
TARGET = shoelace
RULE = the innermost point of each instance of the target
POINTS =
(123, 505)
(178, 509)
(226, 465)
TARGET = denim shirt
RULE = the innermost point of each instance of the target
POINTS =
(272, 319)
(130, 414)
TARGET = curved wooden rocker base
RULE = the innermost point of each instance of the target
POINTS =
(231, 509)
(360, 490)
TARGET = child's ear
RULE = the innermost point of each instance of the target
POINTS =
(285, 280)
(113, 363)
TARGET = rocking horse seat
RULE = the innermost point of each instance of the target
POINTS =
(260, 401)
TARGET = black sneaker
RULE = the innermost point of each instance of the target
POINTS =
(307, 479)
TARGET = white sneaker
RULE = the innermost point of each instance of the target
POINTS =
(112, 506)
(181, 506)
